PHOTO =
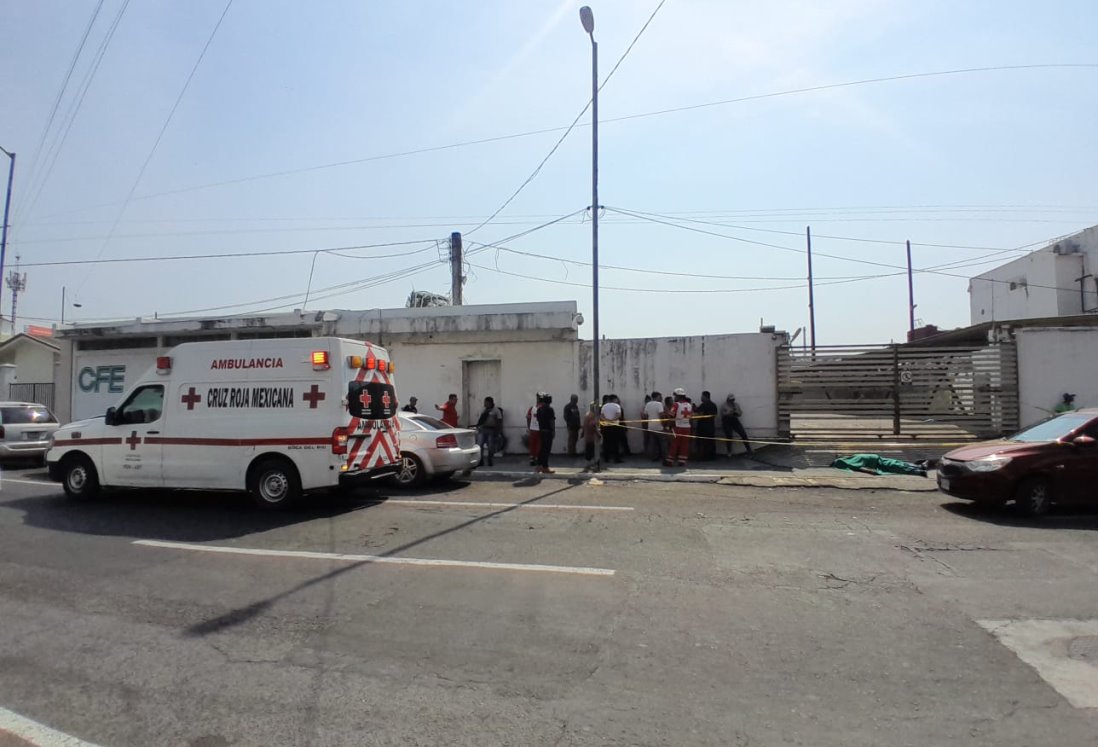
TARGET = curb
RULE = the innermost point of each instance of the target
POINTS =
(753, 481)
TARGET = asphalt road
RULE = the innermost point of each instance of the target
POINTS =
(622, 614)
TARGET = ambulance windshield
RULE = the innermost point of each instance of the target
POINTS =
(371, 400)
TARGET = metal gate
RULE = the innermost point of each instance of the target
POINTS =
(41, 394)
(898, 391)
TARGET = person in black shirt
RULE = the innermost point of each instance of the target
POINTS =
(411, 406)
(572, 421)
(706, 427)
(547, 427)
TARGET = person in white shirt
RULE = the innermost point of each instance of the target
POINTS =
(611, 429)
(653, 411)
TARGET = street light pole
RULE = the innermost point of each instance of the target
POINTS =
(587, 18)
(4, 231)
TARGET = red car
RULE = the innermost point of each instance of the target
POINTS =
(1055, 461)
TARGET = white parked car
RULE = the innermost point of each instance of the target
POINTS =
(430, 448)
(25, 430)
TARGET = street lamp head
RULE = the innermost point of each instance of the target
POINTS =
(587, 18)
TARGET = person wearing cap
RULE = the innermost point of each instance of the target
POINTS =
(680, 415)
(411, 406)
(533, 432)
(731, 412)
(547, 425)
(1067, 404)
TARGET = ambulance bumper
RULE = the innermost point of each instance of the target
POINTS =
(363, 477)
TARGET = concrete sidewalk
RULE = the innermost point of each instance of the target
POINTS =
(772, 468)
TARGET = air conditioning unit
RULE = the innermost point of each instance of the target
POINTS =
(1064, 248)
(1019, 283)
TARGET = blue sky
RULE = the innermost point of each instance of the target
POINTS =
(995, 159)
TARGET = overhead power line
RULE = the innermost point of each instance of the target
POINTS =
(335, 250)
(623, 118)
(34, 191)
(537, 169)
(160, 135)
(34, 162)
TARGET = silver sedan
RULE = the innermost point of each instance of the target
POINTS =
(430, 448)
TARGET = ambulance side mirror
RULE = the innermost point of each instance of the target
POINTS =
(111, 418)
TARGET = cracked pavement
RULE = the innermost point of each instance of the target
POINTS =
(736, 615)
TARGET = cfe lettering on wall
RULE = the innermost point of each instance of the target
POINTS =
(255, 397)
(101, 379)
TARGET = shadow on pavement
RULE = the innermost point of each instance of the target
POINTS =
(182, 516)
(1060, 517)
(244, 614)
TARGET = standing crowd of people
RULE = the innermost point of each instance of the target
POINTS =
(673, 428)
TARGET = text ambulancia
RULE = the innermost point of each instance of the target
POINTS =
(277, 418)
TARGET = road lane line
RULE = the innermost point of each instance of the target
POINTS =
(28, 482)
(485, 504)
(35, 733)
(350, 558)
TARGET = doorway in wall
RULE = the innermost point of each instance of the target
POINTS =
(480, 379)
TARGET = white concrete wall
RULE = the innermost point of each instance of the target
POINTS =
(1045, 283)
(741, 364)
(430, 371)
(34, 361)
(1051, 361)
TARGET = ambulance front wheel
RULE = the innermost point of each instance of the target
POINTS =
(274, 483)
(79, 478)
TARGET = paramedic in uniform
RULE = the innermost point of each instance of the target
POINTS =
(680, 414)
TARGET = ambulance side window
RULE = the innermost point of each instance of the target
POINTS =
(143, 406)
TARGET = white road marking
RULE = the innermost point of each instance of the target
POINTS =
(485, 504)
(28, 482)
(436, 562)
(36, 733)
(1047, 646)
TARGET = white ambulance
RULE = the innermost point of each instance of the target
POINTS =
(275, 417)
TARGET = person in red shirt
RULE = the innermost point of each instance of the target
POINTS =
(449, 411)
(680, 413)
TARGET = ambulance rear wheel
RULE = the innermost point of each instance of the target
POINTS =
(79, 477)
(274, 484)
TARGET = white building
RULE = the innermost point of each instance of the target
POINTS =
(1054, 281)
(507, 351)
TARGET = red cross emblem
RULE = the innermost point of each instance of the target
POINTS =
(386, 399)
(191, 398)
(133, 441)
(365, 398)
(313, 396)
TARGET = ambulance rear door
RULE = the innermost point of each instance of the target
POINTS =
(373, 430)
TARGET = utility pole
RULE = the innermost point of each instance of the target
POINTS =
(910, 293)
(587, 18)
(455, 268)
(4, 231)
(811, 296)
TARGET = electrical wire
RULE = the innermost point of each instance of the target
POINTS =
(537, 170)
(335, 251)
(357, 285)
(835, 256)
(159, 137)
(54, 152)
(34, 162)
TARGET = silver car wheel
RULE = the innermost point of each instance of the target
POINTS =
(409, 470)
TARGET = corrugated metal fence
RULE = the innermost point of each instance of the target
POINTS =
(897, 391)
(41, 394)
